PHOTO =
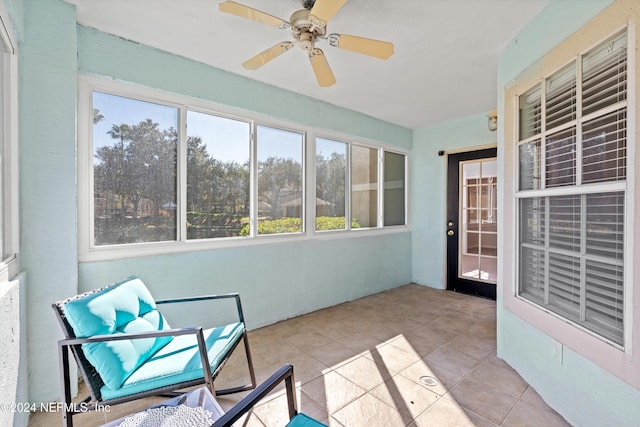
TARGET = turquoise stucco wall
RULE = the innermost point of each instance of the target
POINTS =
(309, 274)
(582, 392)
(428, 186)
(276, 281)
(47, 63)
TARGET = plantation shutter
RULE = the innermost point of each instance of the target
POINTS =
(571, 256)
(531, 113)
(604, 264)
(560, 97)
(604, 75)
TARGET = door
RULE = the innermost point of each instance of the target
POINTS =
(472, 219)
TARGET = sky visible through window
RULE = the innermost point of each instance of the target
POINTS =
(226, 139)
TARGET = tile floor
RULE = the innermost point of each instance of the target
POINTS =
(359, 364)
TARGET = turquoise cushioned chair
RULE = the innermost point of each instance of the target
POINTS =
(125, 348)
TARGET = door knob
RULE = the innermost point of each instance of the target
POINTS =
(450, 233)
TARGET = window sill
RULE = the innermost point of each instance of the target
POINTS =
(113, 252)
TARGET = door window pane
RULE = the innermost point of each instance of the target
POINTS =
(134, 170)
(217, 176)
(280, 182)
(364, 186)
(478, 224)
(331, 177)
(394, 175)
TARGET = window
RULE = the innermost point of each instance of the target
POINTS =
(572, 156)
(280, 203)
(8, 156)
(218, 185)
(134, 170)
(364, 186)
(331, 178)
(394, 191)
(157, 172)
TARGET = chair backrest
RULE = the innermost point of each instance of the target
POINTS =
(122, 307)
(89, 373)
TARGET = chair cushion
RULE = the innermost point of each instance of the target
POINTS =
(179, 361)
(302, 420)
(125, 307)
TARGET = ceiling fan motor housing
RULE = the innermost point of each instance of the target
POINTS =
(303, 30)
(306, 26)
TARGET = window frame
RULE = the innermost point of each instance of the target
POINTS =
(614, 359)
(89, 252)
(347, 184)
(546, 190)
(9, 265)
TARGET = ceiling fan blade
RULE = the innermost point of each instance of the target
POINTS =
(323, 10)
(376, 48)
(321, 68)
(263, 57)
(249, 13)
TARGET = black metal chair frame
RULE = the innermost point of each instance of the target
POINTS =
(94, 382)
(285, 373)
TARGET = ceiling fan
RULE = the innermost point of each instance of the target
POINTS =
(307, 26)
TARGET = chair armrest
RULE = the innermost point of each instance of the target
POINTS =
(202, 347)
(205, 298)
(284, 373)
(129, 336)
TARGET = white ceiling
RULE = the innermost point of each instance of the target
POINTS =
(444, 65)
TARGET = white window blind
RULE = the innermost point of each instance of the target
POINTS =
(560, 97)
(561, 158)
(531, 112)
(571, 241)
(529, 159)
(604, 75)
(604, 148)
